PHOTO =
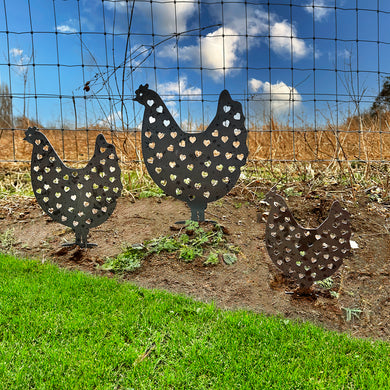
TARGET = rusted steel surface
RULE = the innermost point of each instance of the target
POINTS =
(307, 255)
(196, 168)
(78, 198)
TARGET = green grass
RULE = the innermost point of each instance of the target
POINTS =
(68, 330)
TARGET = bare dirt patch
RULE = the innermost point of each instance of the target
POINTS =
(253, 282)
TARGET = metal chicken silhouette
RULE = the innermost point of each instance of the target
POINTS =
(195, 168)
(78, 198)
(307, 255)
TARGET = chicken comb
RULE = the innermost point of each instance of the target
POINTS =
(306, 255)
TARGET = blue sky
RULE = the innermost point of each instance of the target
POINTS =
(256, 52)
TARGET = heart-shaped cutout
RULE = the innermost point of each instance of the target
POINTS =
(237, 117)
(226, 108)
(226, 123)
(166, 122)
(152, 119)
(161, 135)
(150, 103)
(173, 134)
(192, 139)
(182, 157)
(206, 142)
(237, 132)
(159, 109)
(224, 139)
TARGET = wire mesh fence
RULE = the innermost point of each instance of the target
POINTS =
(312, 76)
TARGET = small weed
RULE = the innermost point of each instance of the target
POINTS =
(7, 241)
(290, 191)
(335, 294)
(325, 283)
(190, 253)
(351, 313)
(163, 244)
(229, 258)
(212, 259)
(191, 242)
(129, 260)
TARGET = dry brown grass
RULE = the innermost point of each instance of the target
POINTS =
(356, 139)
(71, 145)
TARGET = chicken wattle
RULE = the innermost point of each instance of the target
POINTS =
(196, 168)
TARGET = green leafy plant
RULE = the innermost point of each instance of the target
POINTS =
(7, 241)
(212, 259)
(325, 283)
(129, 260)
(191, 242)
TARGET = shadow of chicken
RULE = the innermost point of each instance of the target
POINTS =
(78, 198)
(196, 168)
(306, 255)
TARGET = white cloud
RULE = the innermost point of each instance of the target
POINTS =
(275, 99)
(15, 52)
(63, 28)
(219, 49)
(172, 89)
(319, 8)
(111, 119)
(255, 85)
(169, 17)
(20, 59)
(224, 46)
(283, 40)
(172, 17)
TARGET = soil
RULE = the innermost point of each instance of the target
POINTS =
(253, 282)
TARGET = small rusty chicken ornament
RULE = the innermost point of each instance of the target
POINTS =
(306, 255)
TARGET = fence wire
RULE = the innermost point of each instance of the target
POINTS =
(312, 76)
